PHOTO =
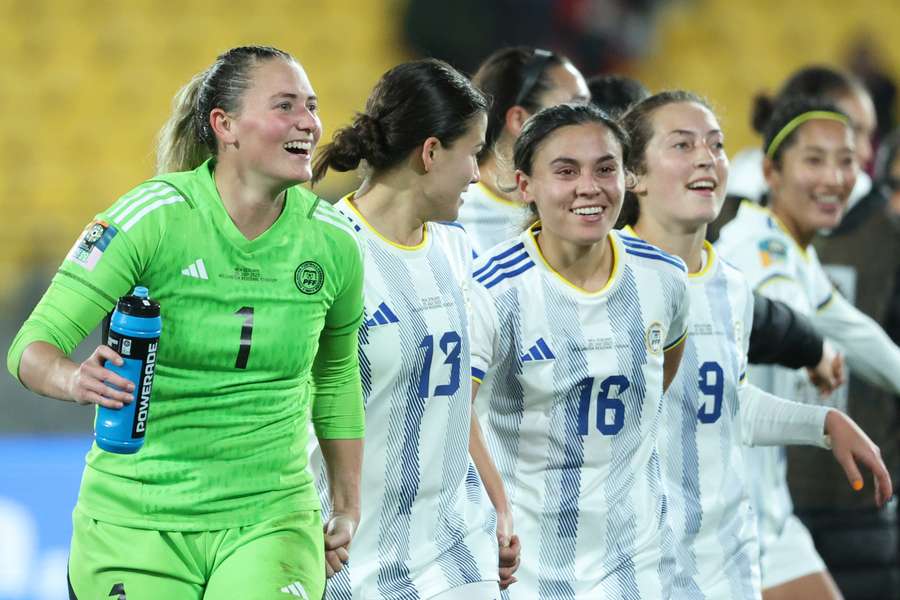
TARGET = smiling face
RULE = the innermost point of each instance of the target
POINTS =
(686, 169)
(451, 170)
(818, 170)
(577, 183)
(278, 126)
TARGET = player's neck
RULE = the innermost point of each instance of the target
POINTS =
(587, 267)
(803, 238)
(494, 177)
(388, 206)
(253, 208)
(684, 242)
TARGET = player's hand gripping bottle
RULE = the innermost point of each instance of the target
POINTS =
(134, 333)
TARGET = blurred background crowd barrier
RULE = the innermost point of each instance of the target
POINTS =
(86, 84)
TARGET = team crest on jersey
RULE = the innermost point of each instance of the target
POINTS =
(93, 242)
(772, 251)
(309, 277)
(653, 339)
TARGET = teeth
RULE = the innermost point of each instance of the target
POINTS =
(702, 185)
(588, 210)
(828, 199)
(297, 146)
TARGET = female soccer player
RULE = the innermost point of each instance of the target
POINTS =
(577, 331)
(219, 503)
(427, 529)
(810, 168)
(815, 81)
(679, 161)
(520, 81)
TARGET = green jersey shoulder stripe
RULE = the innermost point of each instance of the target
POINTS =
(148, 209)
(139, 192)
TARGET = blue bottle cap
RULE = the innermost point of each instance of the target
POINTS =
(141, 292)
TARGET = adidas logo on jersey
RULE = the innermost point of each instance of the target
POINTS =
(540, 351)
(296, 589)
(196, 269)
(383, 315)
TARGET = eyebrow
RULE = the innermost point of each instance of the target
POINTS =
(565, 160)
(291, 96)
(688, 132)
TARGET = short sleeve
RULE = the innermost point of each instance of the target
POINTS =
(483, 319)
(677, 331)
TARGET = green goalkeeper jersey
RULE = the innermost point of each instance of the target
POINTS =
(258, 337)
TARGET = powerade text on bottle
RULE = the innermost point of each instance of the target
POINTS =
(134, 330)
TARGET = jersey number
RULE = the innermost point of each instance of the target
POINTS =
(610, 409)
(246, 336)
(450, 344)
(712, 383)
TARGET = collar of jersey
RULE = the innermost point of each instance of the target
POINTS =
(208, 184)
(768, 212)
(348, 201)
(491, 195)
(531, 238)
(707, 267)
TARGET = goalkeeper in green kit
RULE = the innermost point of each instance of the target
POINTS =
(260, 285)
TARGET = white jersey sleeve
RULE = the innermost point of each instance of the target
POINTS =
(484, 330)
(869, 351)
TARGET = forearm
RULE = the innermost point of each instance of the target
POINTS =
(869, 351)
(767, 420)
(488, 472)
(343, 466)
(338, 410)
(782, 336)
(45, 370)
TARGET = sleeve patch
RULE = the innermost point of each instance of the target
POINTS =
(772, 251)
(94, 240)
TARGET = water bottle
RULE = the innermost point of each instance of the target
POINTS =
(134, 330)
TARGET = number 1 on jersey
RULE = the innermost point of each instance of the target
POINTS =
(246, 336)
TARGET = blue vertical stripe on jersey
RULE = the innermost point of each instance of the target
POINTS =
(507, 399)
(402, 464)
(687, 512)
(732, 531)
(559, 517)
(456, 558)
(365, 366)
(627, 322)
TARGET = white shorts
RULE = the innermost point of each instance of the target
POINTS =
(480, 590)
(792, 556)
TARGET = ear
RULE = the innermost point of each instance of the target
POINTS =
(772, 173)
(515, 119)
(222, 126)
(523, 185)
(430, 148)
(637, 184)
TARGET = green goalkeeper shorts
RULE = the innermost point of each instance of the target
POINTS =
(274, 559)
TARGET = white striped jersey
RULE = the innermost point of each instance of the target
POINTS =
(571, 404)
(776, 266)
(427, 525)
(716, 545)
(490, 219)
